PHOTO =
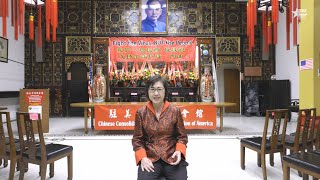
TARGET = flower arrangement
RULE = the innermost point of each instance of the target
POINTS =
(139, 78)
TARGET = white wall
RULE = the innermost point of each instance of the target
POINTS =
(286, 60)
(11, 73)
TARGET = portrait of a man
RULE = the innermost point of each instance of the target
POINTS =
(153, 15)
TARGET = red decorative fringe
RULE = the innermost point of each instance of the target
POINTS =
(4, 17)
(288, 16)
(39, 27)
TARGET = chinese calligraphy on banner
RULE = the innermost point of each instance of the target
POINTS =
(121, 117)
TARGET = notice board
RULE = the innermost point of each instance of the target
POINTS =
(36, 101)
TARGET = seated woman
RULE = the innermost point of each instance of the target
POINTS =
(159, 138)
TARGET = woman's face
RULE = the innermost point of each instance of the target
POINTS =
(156, 93)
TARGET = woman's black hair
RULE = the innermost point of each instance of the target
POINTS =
(154, 79)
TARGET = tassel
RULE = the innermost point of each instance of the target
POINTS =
(269, 32)
(275, 33)
(21, 16)
(288, 13)
(31, 27)
(4, 17)
(15, 18)
(39, 27)
(48, 16)
(295, 26)
(54, 20)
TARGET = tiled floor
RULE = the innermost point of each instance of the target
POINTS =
(211, 155)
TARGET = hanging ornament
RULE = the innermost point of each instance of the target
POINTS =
(31, 27)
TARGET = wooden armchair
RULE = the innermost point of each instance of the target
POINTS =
(267, 145)
(8, 148)
(42, 154)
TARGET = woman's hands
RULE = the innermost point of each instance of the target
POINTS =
(176, 155)
(146, 164)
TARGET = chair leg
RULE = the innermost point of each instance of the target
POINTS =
(5, 163)
(271, 159)
(263, 163)
(286, 172)
(70, 166)
(21, 167)
(51, 170)
(242, 156)
(12, 168)
(259, 159)
(43, 171)
(0, 162)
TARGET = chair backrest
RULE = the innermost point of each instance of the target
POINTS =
(3, 139)
(25, 124)
(115, 99)
(276, 132)
(305, 129)
(178, 99)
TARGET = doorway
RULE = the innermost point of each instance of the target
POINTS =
(77, 87)
(232, 89)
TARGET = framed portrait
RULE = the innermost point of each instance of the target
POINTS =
(153, 17)
(3, 50)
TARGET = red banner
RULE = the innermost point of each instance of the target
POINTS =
(122, 117)
(142, 49)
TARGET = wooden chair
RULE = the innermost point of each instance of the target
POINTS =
(306, 162)
(8, 147)
(303, 138)
(43, 154)
(267, 145)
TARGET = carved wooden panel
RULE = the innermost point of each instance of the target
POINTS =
(116, 17)
(230, 18)
(70, 59)
(78, 45)
(100, 52)
(228, 45)
(229, 60)
(47, 73)
(74, 17)
(190, 17)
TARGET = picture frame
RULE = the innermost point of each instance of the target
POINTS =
(3, 50)
(152, 19)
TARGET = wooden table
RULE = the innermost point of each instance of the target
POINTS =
(221, 107)
(87, 105)
(3, 108)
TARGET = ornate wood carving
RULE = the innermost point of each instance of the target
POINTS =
(75, 17)
(190, 17)
(230, 18)
(116, 17)
(70, 59)
(78, 45)
(229, 59)
(227, 45)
